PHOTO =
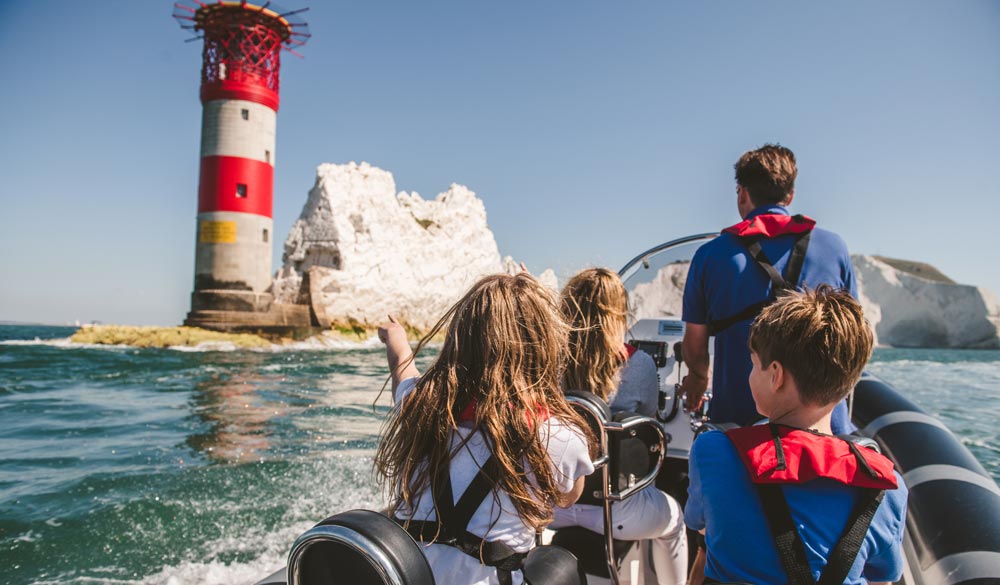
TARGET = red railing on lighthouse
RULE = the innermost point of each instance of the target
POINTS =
(243, 43)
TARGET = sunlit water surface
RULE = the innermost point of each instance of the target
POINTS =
(124, 465)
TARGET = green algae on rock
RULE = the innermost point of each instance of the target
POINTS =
(148, 336)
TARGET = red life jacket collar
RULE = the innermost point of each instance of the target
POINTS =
(779, 454)
(469, 413)
(772, 225)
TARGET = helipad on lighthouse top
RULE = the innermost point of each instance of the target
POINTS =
(199, 17)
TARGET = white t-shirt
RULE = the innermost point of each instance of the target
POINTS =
(571, 460)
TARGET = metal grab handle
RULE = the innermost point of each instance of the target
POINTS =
(631, 427)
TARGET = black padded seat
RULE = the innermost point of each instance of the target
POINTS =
(589, 547)
(552, 565)
(357, 547)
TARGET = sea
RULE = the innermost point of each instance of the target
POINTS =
(202, 465)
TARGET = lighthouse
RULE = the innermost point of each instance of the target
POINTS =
(241, 60)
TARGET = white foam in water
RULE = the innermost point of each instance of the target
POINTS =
(61, 342)
(321, 342)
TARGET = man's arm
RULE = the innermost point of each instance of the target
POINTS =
(695, 352)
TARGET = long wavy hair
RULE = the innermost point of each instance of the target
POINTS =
(505, 351)
(594, 304)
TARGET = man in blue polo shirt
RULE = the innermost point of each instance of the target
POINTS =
(725, 282)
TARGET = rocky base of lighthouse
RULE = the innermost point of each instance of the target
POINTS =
(248, 312)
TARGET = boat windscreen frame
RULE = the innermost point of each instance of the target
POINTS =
(664, 246)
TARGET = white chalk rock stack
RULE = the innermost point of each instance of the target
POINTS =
(369, 251)
(915, 307)
(907, 310)
(662, 297)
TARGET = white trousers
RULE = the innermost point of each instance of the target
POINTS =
(649, 514)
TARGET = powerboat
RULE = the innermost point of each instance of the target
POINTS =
(953, 519)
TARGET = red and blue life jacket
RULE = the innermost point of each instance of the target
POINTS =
(749, 232)
(776, 454)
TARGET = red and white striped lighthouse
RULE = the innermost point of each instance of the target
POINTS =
(239, 95)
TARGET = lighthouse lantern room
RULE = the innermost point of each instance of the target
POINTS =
(241, 60)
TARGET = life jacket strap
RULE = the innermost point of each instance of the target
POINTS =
(792, 551)
(801, 457)
(779, 282)
(842, 556)
(451, 527)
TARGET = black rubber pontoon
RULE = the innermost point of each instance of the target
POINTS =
(953, 511)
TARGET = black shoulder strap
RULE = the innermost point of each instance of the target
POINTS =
(474, 495)
(717, 326)
(842, 556)
(753, 247)
(444, 503)
(793, 272)
(779, 282)
(791, 551)
(452, 524)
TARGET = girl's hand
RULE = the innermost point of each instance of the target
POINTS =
(397, 352)
(391, 332)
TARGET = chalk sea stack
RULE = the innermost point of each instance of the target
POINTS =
(909, 304)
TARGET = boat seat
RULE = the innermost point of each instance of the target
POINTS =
(357, 547)
(589, 548)
(553, 565)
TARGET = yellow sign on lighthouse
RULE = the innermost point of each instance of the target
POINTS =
(217, 232)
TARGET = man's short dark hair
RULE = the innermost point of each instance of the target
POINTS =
(768, 174)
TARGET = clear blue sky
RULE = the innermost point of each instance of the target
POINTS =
(591, 130)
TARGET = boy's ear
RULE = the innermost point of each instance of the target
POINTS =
(776, 374)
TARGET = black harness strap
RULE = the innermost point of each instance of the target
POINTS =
(451, 528)
(792, 551)
(794, 269)
(779, 282)
(842, 556)
(757, 253)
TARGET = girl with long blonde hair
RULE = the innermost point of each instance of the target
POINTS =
(479, 449)
(594, 304)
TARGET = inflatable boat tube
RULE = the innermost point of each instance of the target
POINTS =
(953, 512)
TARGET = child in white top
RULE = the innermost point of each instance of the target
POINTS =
(594, 303)
(493, 391)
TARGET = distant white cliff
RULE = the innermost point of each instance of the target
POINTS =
(909, 310)
(359, 251)
(908, 305)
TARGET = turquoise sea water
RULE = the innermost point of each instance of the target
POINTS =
(124, 465)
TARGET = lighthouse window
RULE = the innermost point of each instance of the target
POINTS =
(265, 234)
(241, 190)
(267, 156)
(245, 113)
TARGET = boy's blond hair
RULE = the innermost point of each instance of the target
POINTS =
(820, 337)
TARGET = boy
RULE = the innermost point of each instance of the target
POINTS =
(808, 351)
